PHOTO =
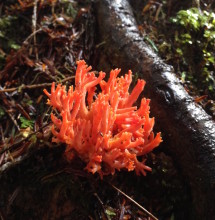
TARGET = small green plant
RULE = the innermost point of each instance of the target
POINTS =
(8, 39)
(25, 123)
(6, 24)
(195, 46)
(69, 7)
(2, 112)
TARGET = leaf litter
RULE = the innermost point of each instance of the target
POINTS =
(51, 37)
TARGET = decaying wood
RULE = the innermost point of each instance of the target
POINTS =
(188, 132)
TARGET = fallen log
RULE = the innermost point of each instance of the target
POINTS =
(188, 132)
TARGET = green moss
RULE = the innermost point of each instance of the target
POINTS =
(8, 39)
(195, 46)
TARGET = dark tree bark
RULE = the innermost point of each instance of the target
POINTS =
(188, 132)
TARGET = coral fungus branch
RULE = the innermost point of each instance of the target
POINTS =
(108, 133)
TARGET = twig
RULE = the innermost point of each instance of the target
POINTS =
(12, 119)
(34, 86)
(13, 196)
(15, 145)
(1, 6)
(157, 13)
(2, 134)
(2, 217)
(102, 204)
(3, 141)
(34, 27)
(53, 7)
(65, 170)
(31, 35)
(122, 211)
(99, 199)
(137, 204)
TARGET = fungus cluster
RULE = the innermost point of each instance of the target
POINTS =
(103, 128)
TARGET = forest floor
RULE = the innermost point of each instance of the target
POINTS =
(183, 34)
(40, 43)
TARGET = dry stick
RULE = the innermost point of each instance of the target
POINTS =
(34, 86)
(2, 217)
(12, 118)
(34, 26)
(122, 210)
(3, 140)
(137, 204)
(102, 204)
(7, 148)
(31, 35)
(2, 134)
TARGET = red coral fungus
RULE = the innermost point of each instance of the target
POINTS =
(108, 133)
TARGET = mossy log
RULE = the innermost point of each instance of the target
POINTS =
(188, 131)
